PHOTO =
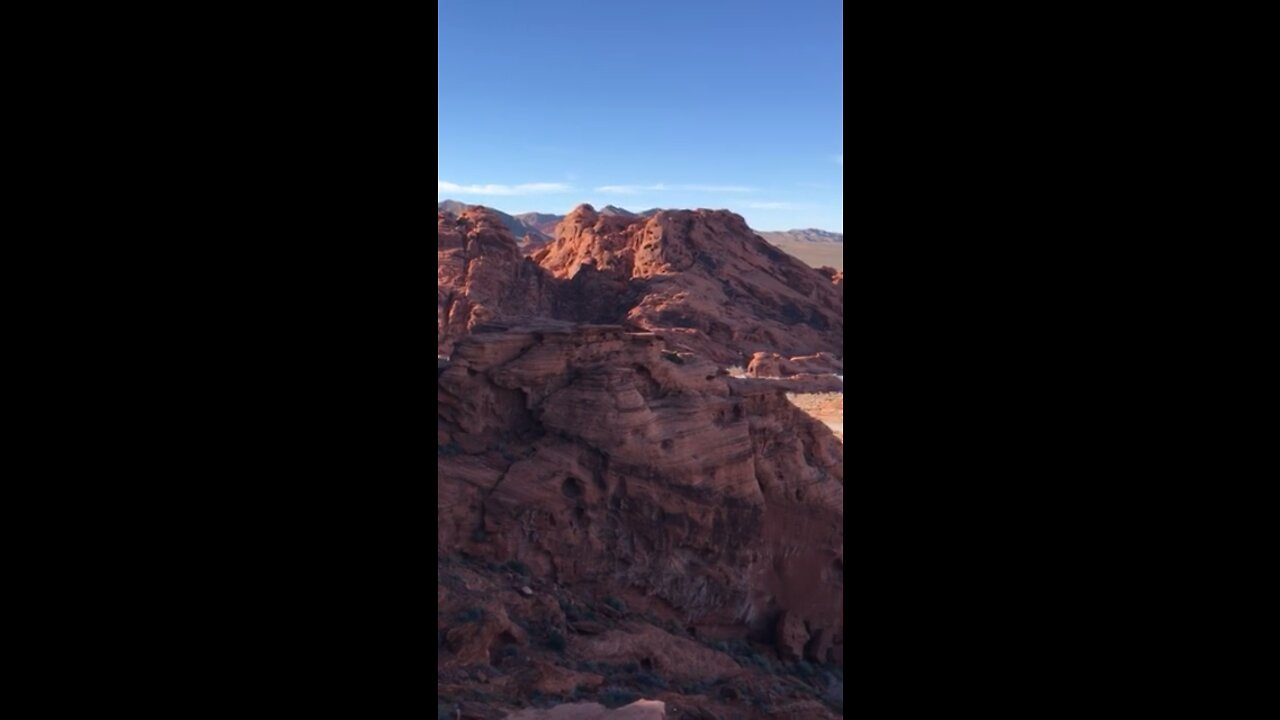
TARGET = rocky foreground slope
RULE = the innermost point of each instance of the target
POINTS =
(701, 276)
(618, 521)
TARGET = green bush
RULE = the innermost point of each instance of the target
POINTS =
(471, 615)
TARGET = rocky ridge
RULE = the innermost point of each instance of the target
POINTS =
(700, 276)
(617, 520)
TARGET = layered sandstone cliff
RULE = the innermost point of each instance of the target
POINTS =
(611, 509)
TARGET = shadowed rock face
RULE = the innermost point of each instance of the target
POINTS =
(595, 458)
(700, 276)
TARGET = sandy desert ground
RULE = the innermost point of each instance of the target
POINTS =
(827, 407)
(816, 254)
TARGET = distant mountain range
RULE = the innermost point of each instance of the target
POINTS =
(536, 228)
(527, 229)
(810, 235)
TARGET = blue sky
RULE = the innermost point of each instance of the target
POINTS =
(738, 104)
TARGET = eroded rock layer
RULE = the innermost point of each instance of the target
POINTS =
(594, 457)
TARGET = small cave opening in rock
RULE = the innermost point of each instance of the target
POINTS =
(572, 488)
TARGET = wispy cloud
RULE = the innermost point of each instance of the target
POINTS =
(770, 205)
(717, 188)
(443, 187)
(630, 189)
(661, 187)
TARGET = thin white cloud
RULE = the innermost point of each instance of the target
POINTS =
(661, 187)
(630, 189)
(443, 187)
(717, 188)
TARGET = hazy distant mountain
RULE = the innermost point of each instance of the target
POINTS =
(806, 235)
(456, 207)
(613, 210)
(526, 232)
(542, 222)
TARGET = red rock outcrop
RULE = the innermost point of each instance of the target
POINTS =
(481, 274)
(700, 276)
(705, 277)
(773, 365)
(639, 710)
(598, 459)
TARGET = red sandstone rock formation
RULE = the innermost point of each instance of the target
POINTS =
(706, 275)
(639, 710)
(627, 484)
(481, 274)
(773, 365)
(702, 277)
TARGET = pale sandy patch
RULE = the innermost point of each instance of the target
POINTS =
(824, 407)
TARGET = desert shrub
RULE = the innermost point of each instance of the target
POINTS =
(544, 700)
(555, 641)
(803, 669)
(508, 651)
(518, 567)
(697, 687)
(444, 711)
(448, 450)
(672, 357)
(650, 681)
(615, 697)
(615, 603)
(470, 615)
